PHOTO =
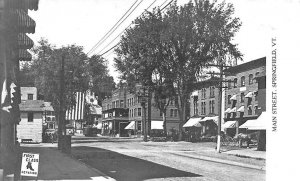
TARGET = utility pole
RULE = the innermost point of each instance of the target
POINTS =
(61, 123)
(221, 81)
(143, 95)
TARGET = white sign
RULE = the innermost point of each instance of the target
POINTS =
(30, 164)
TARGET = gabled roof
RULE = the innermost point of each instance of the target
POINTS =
(32, 105)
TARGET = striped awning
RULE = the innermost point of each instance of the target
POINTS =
(229, 124)
(157, 125)
(24, 42)
(233, 110)
(256, 124)
(213, 118)
(192, 122)
(24, 55)
(233, 98)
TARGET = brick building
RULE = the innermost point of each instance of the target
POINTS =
(242, 99)
(204, 108)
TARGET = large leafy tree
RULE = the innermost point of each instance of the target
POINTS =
(176, 46)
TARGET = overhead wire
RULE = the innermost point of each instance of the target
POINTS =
(129, 26)
(117, 25)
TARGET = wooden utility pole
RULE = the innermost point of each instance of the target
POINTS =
(61, 123)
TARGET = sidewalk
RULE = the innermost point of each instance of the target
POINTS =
(248, 153)
(55, 165)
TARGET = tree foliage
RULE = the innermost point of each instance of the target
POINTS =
(170, 50)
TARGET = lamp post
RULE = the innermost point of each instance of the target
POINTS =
(143, 95)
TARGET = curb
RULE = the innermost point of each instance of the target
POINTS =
(227, 162)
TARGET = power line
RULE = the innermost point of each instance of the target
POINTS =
(97, 44)
(129, 26)
(116, 26)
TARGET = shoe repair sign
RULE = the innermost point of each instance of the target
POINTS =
(30, 164)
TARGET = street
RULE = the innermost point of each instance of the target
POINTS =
(132, 159)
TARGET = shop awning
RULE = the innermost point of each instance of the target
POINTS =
(229, 124)
(233, 110)
(256, 124)
(195, 93)
(157, 125)
(241, 109)
(233, 98)
(131, 125)
(213, 118)
(227, 110)
(249, 95)
(192, 122)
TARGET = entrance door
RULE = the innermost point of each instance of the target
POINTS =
(123, 131)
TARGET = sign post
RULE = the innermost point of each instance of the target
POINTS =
(30, 164)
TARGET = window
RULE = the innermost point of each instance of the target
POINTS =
(249, 110)
(139, 111)
(30, 96)
(256, 110)
(256, 75)
(255, 95)
(211, 106)
(113, 104)
(235, 83)
(229, 96)
(203, 109)
(171, 112)
(175, 112)
(203, 93)
(160, 113)
(30, 116)
(121, 103)
(242, 81)
(229, 84)
(195, 105)
(242, 97)
(176, 100)
(250, 79)
(212, 91)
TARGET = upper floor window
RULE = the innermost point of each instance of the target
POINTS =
(121, 103)
(255, 95)
(249, 110)
(242, 81)
(256, 110)
(203, 108)
(171, 112)
(211, 106)
(242, 97)
(228, 101)
(30, 96)
(256, 75)
(229, 84)
(203, 93)
(30, 116)
(175, 112)
(212, 91)
(235, 83)
(250, 79)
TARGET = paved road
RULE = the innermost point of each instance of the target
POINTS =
(127, 159)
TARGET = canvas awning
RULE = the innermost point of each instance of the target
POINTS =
(256, 124)
(241, 109)
(229, 124)
(195, 93)
(131, 125)
(233, 98)
(233, 110)
(157, 125)
(249, 95)
(227, 110)
(192, 122)
(213, 118)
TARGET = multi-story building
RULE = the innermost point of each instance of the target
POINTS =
(204, 108)
(123, 114)
(115, 113)
(242, 98)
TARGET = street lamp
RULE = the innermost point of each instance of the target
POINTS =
(142, 96)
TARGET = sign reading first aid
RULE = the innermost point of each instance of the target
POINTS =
(30, 164)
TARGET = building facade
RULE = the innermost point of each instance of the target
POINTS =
(242, 99)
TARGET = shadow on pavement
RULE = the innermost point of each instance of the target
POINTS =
(123, 167)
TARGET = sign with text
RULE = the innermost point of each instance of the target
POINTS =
(30, 164)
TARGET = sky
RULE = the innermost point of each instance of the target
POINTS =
(85, 22)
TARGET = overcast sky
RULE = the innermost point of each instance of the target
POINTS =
(85, 22)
